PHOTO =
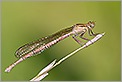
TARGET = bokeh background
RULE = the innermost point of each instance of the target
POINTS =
(23, 22)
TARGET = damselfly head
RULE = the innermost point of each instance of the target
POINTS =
(90, 24)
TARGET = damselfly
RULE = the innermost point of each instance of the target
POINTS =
(40, 45)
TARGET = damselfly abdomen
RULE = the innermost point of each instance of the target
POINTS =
(40, 45)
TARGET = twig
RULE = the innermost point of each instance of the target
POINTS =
(44, 72)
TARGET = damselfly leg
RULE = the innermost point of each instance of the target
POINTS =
(78, 41)
(81, 36)
(90, 32)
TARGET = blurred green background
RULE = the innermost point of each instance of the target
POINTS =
(23, 22)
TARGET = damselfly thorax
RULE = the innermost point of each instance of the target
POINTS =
(41, 44)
